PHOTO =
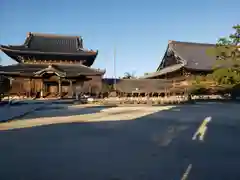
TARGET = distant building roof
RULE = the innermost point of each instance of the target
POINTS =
(163, 71)
(194, 56)
(141, 85)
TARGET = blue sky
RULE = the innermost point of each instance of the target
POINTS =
(139, 29)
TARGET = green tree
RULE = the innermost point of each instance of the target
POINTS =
(128, 75)
(227, 51)
(107, 87)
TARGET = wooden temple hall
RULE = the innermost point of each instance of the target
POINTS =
(51, 65)
(181, 63)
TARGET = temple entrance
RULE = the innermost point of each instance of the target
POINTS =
(50, 88)
(58, 88)
(49, 85)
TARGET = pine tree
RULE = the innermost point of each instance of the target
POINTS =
(227, 51)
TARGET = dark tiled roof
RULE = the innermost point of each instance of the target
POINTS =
(193, 56)
(197, 56)
(37, 43)
(22, 68)
(53, 43)
(163, 71)
(72, 69)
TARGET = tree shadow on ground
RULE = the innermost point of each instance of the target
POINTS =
(156, 146)
(63, 111)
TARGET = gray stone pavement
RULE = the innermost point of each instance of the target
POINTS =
(157, 146)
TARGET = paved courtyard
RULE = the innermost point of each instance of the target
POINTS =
(122, 143)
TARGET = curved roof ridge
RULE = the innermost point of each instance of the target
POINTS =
(191, 43)
(52, 35)
(96, 69)
(82, 65)
(3, 47)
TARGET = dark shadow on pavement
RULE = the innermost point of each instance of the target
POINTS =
(157, 146)
(61, 111)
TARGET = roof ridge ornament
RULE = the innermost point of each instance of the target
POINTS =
(27, 40)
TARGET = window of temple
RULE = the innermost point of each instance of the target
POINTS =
(162, 94)
(135, 94)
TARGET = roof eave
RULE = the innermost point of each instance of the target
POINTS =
(92, 74)
(80, 53)
(8, 53)
(161, 72)
(200, 70)
(15, 74)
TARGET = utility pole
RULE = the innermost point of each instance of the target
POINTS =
(114, 68)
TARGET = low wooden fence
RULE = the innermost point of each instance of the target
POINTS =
(158, 100)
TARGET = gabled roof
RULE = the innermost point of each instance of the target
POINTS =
(62, 69)
(195, 56)
(51, 69)
(192, 56)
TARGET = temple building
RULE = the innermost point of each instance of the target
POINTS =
(184, 58)
(180, 62)
(52, 65)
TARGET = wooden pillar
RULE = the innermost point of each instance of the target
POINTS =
(42, 90)
(90, 88)
(60, 87)
(165, 89)
(20, 89)
(71, 88)
(30, 87)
